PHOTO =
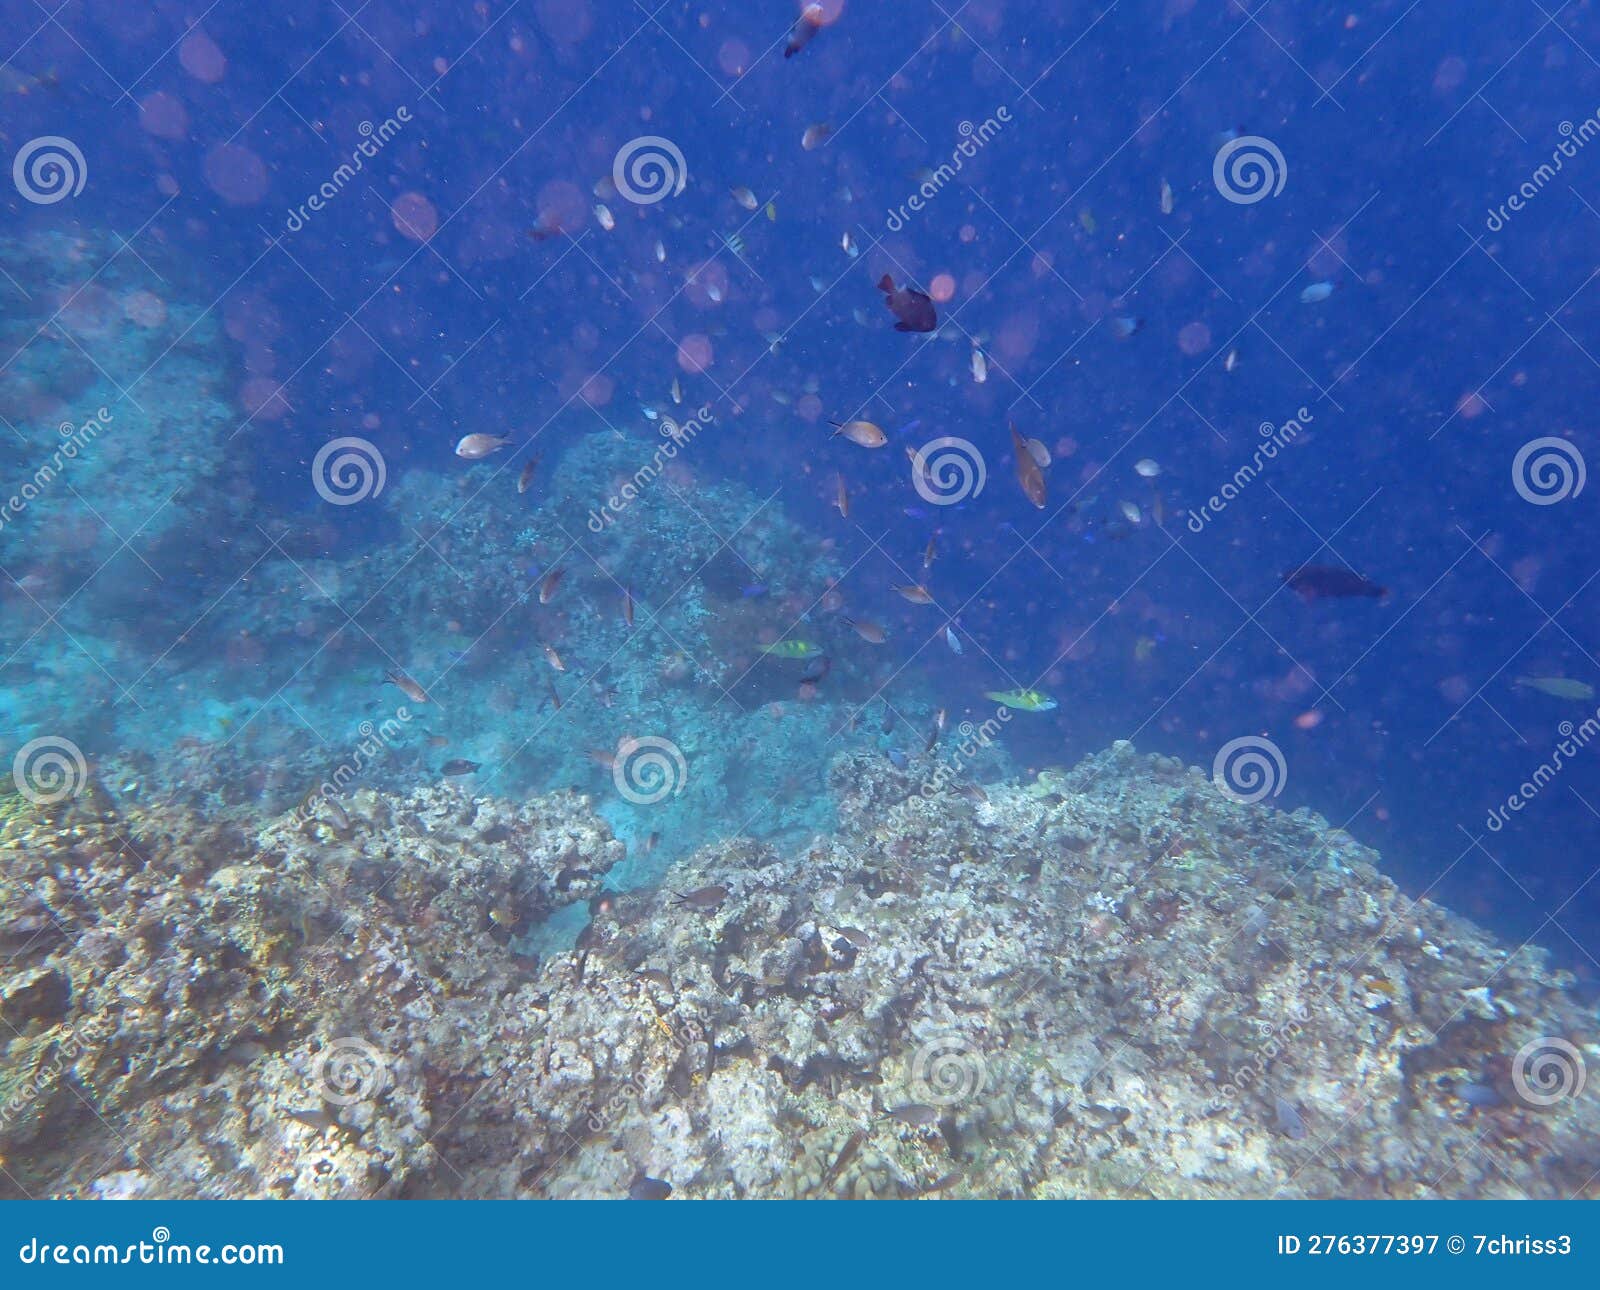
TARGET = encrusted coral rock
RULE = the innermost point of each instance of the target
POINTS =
(1111, 981)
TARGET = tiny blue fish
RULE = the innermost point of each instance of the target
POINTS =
(951, 639)
(753, 591)
(909, 426)
(915, 512)
(1316, 293)
(897, 758)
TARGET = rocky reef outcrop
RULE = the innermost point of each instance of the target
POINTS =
(1113, 980)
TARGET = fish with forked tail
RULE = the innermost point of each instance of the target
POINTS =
(913, 308)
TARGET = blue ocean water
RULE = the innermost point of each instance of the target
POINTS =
(1271, 286)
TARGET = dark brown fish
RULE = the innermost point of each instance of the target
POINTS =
(438, 741)
(555, 698)
(1330, 582)
(651, 841)
(458, 766)
(646, 1188)
(408, 687)
(928, 554)
(816, 675)
(805, 27)
(913, 308)
(872, 633)
(627, 606)
(917, 594)
(847, 1153)
(702, 897)
(552, 580)
(1028, 473)
(526, 477)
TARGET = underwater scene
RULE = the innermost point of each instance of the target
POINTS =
(822, 600)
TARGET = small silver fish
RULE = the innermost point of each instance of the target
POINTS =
(474, 447)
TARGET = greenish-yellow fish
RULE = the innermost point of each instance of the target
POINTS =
(1023, 700)
(790, 649)
(1557, 687)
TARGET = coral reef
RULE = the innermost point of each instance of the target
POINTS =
(1111, 981)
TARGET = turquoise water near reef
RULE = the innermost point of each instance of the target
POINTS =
(577, 396)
